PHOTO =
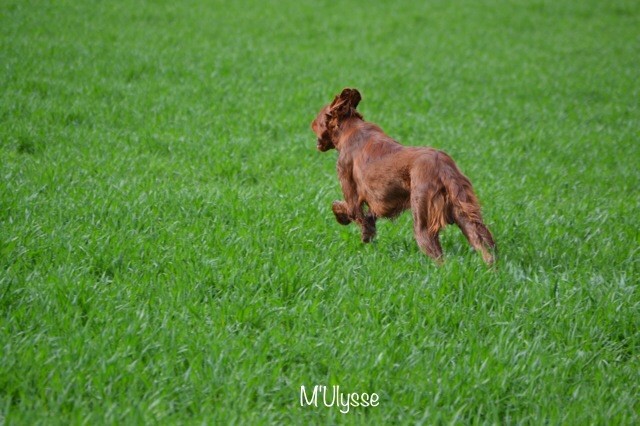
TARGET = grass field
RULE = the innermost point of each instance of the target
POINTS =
(167, 248)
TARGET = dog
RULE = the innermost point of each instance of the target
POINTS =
(381, 178)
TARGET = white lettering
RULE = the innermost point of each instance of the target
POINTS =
(354, 399)
(374, 400)
(314, 396)
(333, 396)
(343, 401)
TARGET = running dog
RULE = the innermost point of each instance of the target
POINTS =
(381, 178)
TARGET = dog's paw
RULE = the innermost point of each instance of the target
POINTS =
(342, 218)
(367, 238)
(368, 228)
(340, 212)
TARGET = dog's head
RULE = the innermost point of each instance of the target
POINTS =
(327, 122)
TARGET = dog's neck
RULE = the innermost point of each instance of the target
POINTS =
(345, 131)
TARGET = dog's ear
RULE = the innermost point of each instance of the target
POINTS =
(355, 97)
(346, 101)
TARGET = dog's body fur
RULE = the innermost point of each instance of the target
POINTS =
(377, 172)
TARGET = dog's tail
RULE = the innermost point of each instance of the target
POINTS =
(455, 201)
(458, 192)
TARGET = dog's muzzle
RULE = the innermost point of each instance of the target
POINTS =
(322, 145)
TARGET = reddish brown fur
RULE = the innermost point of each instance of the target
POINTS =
(381, 178)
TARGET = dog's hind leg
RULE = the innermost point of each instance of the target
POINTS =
(429, 243)
(426, 229)
(464, 210)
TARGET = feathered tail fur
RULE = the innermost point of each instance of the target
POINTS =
(449, 198)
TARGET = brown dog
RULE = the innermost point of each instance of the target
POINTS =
(377, 172)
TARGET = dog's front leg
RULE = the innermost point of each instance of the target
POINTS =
(368, 227)
(341, 212)
(351, 210)
(367, 222)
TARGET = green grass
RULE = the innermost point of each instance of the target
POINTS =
(167, 249)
